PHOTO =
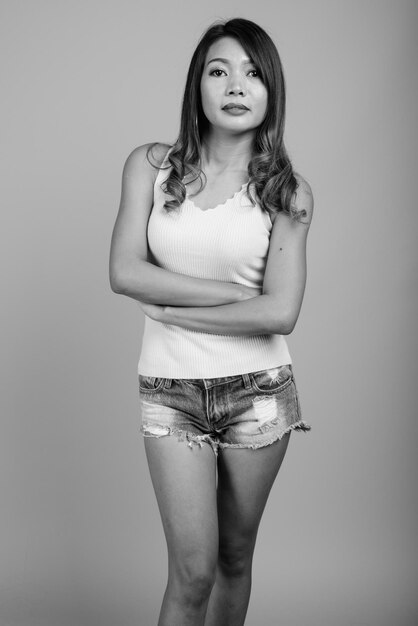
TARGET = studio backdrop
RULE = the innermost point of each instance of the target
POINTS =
(83, 84)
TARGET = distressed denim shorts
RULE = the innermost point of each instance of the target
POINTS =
(243, 411)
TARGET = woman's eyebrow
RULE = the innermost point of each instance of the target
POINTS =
(246, 60)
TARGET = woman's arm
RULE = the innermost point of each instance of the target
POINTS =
(130, 272)
(276, 310)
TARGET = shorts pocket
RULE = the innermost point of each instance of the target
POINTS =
(150, 384)
(272, 380)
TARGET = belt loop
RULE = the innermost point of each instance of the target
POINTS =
(167, 383)
(247, 381)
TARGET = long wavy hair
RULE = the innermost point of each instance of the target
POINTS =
(269, 168)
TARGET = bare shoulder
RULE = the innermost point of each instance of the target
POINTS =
(303, 198)
(145, 159)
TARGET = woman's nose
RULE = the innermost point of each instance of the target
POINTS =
(236, 86)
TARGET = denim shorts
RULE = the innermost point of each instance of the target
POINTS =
(243, 411)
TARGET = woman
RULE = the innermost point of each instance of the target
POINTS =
(210, 239)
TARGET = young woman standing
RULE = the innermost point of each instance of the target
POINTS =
(210, 239)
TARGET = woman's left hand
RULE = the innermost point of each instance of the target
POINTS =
(154, 311)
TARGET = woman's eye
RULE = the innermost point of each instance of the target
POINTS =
(218, 72)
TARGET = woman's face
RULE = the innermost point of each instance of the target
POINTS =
(230, 78)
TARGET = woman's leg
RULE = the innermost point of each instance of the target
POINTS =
(184, 481)
(245, 479)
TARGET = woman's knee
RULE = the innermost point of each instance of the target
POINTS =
(235, 559)
(193, 578)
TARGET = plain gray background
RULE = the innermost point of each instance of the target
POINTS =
(84, 83)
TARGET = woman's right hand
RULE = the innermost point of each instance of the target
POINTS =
(250, 292)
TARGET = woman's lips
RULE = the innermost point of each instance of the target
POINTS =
(233, 110)
(233, 105)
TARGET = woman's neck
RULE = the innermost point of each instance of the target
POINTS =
(221, 154)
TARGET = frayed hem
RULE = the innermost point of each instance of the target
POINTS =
(300, 426)
(182, 435)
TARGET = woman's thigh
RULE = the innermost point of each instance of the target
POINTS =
(246, 477)
(184, 481)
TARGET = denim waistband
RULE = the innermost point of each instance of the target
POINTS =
(207, 383)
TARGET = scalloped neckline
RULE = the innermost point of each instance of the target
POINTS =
(222, 204)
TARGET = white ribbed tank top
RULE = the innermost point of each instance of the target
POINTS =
(230, 243)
